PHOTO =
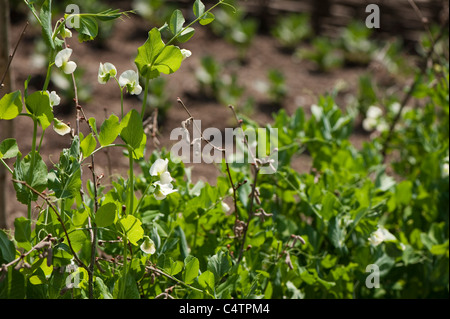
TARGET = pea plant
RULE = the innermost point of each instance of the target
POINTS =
(158, 234)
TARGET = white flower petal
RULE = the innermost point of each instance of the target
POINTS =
(128, 77)
(105, 72)
(60, 127)
(165, 178)
(69, 67)
(162, 190)
(62, 57)
(159, 167)
(225, 207)
(54, 98)
(374, 112)
(381, 235)
(369, 124)
(186, 53)
(148, 246)
(136, 90)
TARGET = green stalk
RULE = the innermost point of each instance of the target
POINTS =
(121, 98)
(131, 183)
(48, 76)
(125, 266)
(6, 166)
(33, 158)
(198, 19)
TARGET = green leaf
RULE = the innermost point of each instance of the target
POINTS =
(109, 15)
(88, 28)
(105, 215)
(9, 148)
(219, 265)
(132, 227)
(37, 178)
(404, 192)
(133, 133)
(440, 249)
(10, 105)
(328, 203)
(177, 21)
(46, 20)
(109, 130)
(131, 289)
(199, 8)
(184, 250)
(186, 35)
(206, 280)
(154, 57)
(7, 249)
(65, 178)
(13, 286)
(102, 289)
(336, 234)
(78, 238)
(22, 230)
(88, 145)
(38, 104)
(191, 269)
(169, 265)
(207, 19)
(93, 124)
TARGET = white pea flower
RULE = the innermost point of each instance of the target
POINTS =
(381, 235)
(186, 53)
(62, 61)
(148, 246)
(163, 186)
(395, 107)
(162, 190)
(60, 127)
(373, 119)
(159, 167)
(54, 98)
(165, 178)
(374, 112)
(369, 124)
(225, 207)
(130, 80)
(105, 72)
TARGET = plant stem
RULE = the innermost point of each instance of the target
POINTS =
(121, 98)
(48, 76)
(250, 214)
(93, 230)
(6, 165)
(131, 183)
(33, 158)
(125, 266)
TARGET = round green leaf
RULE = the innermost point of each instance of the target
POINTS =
(105, 215)
(10, 105)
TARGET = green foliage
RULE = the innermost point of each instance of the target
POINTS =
(236, 28)
(215, 84)
(250, 235)
(292, 30)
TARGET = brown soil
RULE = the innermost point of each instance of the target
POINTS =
(120, 49)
